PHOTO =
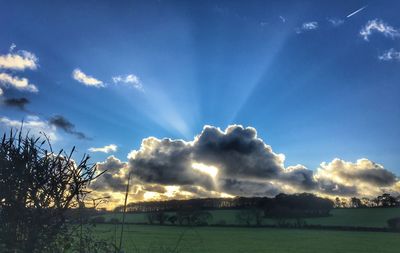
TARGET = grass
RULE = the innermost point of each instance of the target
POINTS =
(362, 217)
(152, 239)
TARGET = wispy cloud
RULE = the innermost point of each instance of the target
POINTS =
(307, 26)
(357, 11)
(390, 55)
(377, 25)
(106, 149)
(61, 122)
(18, 83)
(19, 103)
(18, 61)
(33, 124)
(87, 80)
(336, 21)
(130, 79)
(283, 19)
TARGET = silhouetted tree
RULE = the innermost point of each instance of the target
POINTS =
(355, 202)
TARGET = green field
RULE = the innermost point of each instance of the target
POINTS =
(362, 217)
(158, 239)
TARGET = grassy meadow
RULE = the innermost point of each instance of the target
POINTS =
(149, 239)
(361, 217)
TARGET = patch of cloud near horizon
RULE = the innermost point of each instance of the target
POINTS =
(33, 124)
(85, 79)
(378, 26)
(106, 149)
(247, 166)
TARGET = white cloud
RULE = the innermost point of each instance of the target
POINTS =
(17, 82)
(1, 92)
(336, 21)
(33, 124)
(18, 61)
(87, 80)
(307, 26)
(366, 177)
(106, 149)
(377, 25)
(390, 55)
(12, 47)
(130, 79)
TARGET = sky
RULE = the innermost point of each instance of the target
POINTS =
(304, 88)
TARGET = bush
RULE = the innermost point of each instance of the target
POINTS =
(37, 189)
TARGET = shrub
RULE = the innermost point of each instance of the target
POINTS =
(37, 188)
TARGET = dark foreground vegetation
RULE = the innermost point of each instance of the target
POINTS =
(38, 190)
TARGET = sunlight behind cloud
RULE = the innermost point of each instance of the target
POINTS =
(207, 169)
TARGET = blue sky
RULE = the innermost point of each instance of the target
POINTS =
(314, 90)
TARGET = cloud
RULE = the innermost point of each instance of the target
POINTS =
(12, 47)
(307, 26)
(130, 79)
(336, 21)
(166, 162)
(114, 177)
(7, 80)
(18, 61)
(390, 55)
(106, 149)
(64, 124)
(363, 176)
(87, 80)
(242, 164)
(377, 25)
(19, 103)
(33, 124)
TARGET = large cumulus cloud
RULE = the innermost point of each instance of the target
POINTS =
(246, 165)
(362, 177)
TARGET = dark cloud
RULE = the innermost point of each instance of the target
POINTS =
(237, 152)
(246, 165)
(155, 188)
(376, 176)
(249, 188)
(331, 187)
(300, 177)
(114, 175)
(167, 162)
(19, 103)
(61, 122)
